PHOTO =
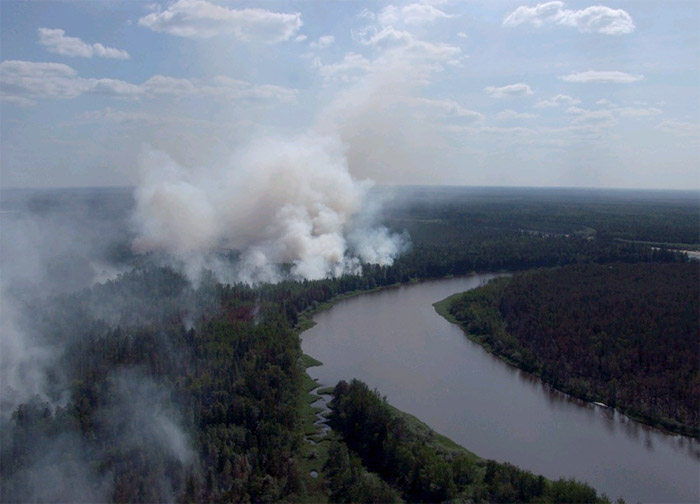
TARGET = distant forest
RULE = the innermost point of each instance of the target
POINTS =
(622, 334)
(159, 390)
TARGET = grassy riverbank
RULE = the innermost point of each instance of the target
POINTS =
(433, 465)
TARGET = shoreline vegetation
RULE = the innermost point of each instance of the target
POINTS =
(421, 465)
(335, 461)
(477, 313)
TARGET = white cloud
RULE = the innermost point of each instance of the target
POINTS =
(411, 14)
(391, 38)
(202, 19)
(387, 35)
(507, 115)
(113, 87)
(639, 112)
(598, 118)
(350, 67)
(164, 85)
(604, 102)
(595, 19)
(323, 42)
(445, 108)
(515, 131)
(16, 100)
(555, 101)
(608, 115)
(55, 41)
(594, 116)
(22, 82)
(242, 90)
(300, 38)
(139, 119)
(25, 80)
(509, 91)
(602, 76)
(680, 128)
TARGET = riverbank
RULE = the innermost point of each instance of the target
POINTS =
(663, 424)
(318, 437)
(395, 342)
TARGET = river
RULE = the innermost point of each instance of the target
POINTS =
(395, 341)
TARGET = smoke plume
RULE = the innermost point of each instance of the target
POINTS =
(278, 201)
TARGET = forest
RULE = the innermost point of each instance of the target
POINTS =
(622, 334)
(159, 389)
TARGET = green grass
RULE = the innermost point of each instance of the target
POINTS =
(307, 361)
(442, 443)
(312, 457)
(443, 307)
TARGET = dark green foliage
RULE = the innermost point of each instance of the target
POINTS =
(424, 472)
(348, 481)
(622, 334)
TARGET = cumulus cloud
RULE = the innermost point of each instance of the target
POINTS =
(612, 76)
(323, 42)
(23, 82)
(350, 67)
(594, 19)
(389, 37)
(584, 116)
(25, 79)
(507, 115)
(556, 101)
(680, 128)
(202, 19)
(639, 111)
(445, 109)
(56, 41)
(509, 91)
(604, 102)
(411, 14)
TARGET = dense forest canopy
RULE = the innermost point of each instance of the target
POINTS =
(622, 334)
(142, 385)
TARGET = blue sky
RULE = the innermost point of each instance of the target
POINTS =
(442, 92)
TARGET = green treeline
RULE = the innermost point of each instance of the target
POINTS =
(622, 334)
(424, 471)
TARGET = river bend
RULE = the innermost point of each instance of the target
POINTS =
(394, 340)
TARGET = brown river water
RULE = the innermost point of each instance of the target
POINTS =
(395, 341)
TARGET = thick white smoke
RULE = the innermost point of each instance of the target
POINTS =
(295, 200)
(278, 201)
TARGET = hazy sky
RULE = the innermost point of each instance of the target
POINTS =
(576, 93)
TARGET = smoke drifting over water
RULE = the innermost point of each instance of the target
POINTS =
(278, 201)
